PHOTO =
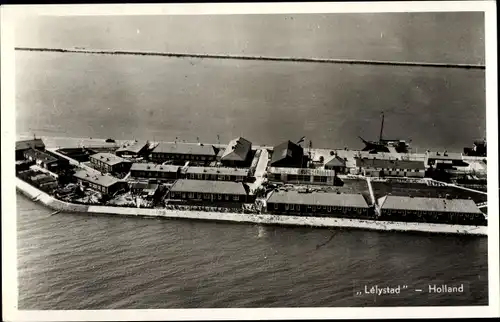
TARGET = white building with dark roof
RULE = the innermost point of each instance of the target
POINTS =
(108, 162)
(25, 145)
(301, 175)
(216, 173)
(318, 204)
(390, 168)
(220, 191)
(439, 210)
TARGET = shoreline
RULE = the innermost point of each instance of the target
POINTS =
(267, 219)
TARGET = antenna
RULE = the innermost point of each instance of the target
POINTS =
(381, 128)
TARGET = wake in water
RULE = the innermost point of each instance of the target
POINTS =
(329, 240)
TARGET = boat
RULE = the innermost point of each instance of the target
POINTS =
(109, 140)
(385, 145)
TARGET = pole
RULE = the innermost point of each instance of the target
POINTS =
(381, 128)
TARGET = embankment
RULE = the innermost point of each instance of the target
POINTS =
(55, 204)
(243, 57)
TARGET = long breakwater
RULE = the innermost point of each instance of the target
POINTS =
(248, 57)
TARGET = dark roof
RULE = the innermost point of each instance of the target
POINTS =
(135, 147)
(206, 186)
(286, 150)
(185, 148)
(40, 155)
(138, 185)
(428, 204)
(153, 167)
(27, 144)
(237, 150)
(336, 161)
(101, 180)
(390, 164)
(318, 199)
(108, 158)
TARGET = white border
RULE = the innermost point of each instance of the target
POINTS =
(9, 258)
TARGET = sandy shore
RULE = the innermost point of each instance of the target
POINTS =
(49, 201)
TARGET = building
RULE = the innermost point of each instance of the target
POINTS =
(438, 210)
(44, 181)
(134, 150)
(301, 176)
(105, 184)
(318, 204)
(23, 146)
(237, 153)
(287, 154)
(45, 160)
(153, 170)
(149, 191)
(444, 160)
(214, 191)
(109, 163)
(216, 174)
(336, 164)
(182, 152)
(393, 168)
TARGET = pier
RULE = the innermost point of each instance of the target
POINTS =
(245, 57)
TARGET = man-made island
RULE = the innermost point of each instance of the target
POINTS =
(382, 187)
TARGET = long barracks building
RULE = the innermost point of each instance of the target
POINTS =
(319, 204)
(182, 152)
(213, 191)
(301, 176)
(437, 210)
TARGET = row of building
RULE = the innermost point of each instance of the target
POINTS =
(392, 208)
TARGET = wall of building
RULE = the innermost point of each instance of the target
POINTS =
(302, 179)
(433, 217)
(321, 211)
(373, 172)
(207, 196)
(154, 174)
(159, 157)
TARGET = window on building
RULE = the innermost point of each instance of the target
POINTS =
(199, 195)
(207, 196)
(219, 196)
(236, 198)
(191, 195)
(287, 206)
(329, 208)
(227, 197)
(183, 195)
(292, 207)
(276, 206)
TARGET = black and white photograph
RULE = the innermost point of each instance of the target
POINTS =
(212, 156)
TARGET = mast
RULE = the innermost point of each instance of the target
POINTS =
(381, 128)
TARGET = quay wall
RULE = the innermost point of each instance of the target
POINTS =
(269, 219)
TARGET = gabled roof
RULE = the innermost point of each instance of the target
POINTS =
(285, 150)
(390, 164)
(318, 199)
(101, 180)
(185, 148)
(27, 144)
(336, 161)
(237, 150)
(428, 204)
(153, 167)
(135, 147)
(206, 186)
(108, 158)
